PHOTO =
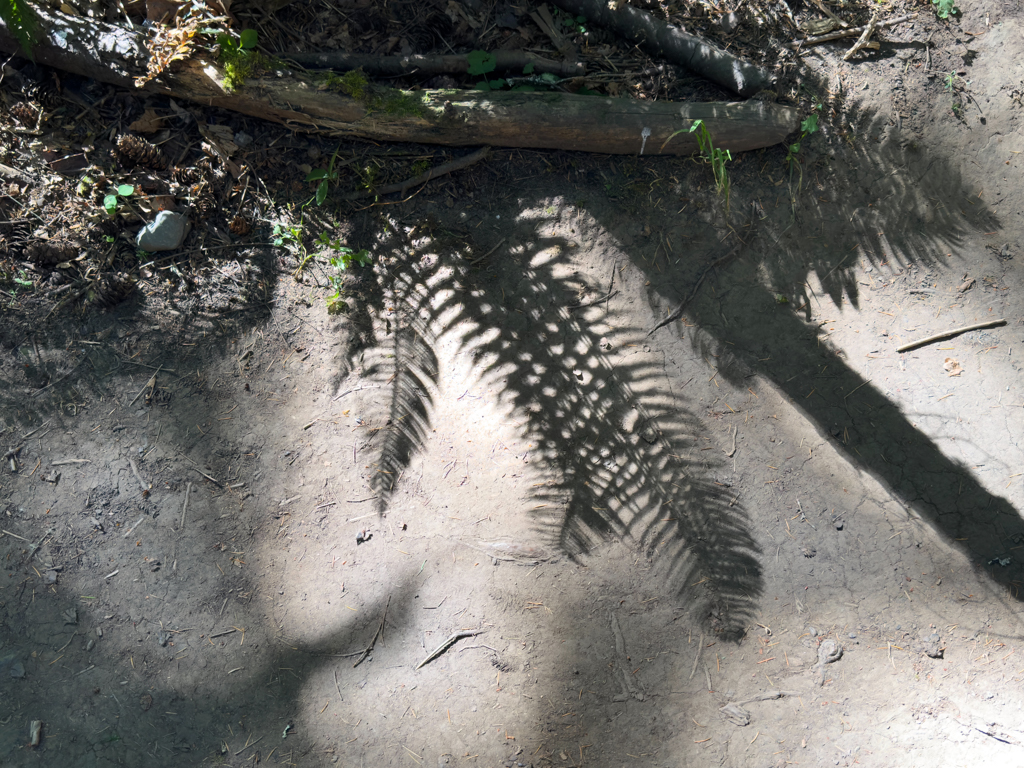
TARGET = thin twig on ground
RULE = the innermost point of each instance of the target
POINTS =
(378, 633)
(449, 643)
(949, 334)
(423, 178)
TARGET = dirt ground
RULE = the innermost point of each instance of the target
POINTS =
(238, 526)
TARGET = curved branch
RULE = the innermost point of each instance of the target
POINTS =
(672, 44)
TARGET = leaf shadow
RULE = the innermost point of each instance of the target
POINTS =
(622, 454)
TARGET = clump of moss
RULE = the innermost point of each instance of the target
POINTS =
(376, 99)
(242, 63)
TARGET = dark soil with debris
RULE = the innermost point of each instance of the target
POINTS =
(456, 506)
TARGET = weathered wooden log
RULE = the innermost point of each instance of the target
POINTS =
(550, 120)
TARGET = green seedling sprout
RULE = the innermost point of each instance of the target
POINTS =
(112, 202)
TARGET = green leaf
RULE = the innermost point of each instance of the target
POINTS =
(528, 69)
(498, 84)
(549, 77)
(794, 148)
(248, 38)
(810, 125)
(321, 192)
(945, 7)
(110, 203)
(125, 190)
(481, 62)
(226, 41)
(21, 22)
(483, 85)
(316, 175)
(696, 124)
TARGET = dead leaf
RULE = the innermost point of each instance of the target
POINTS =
(952, 367)
(966, 285)
(150, 122)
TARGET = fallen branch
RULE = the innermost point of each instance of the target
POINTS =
(949, 334)
(391, 66)
(852, 32)
(862, 41)
(672, 44)
(433, 173)
(551, 120)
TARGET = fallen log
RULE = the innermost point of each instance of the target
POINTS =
(551, 120)
(668, 42)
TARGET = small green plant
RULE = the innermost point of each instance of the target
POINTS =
(287, 235)
(22, 280)
(574, 24)
(945, 7)
(324, 177)
(482, 63)
(368, 177)
(243, 46)
(807, 127)
(711, 154)
(345, 259)
(956, 87)
(112, 201)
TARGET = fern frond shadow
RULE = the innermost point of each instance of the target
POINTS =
(622, 456)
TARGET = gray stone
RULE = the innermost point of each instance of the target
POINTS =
(165, 233)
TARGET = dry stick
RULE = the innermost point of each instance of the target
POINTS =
(449, 643)
(150, 383)
(949, 334)
(678, 311)
(849, 32)
(440, 170)
(481, 258)
(135, 471)
(181, 524)
(70, 461)
(862, 41)
(378, 633)
(592, 303)
(697, 657)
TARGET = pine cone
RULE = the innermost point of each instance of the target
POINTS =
(186, 176)
(24, 113)
(240, 226)
(46, 93)
(135, 150)
(112, 289)
(205, 204)
(49, 253)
